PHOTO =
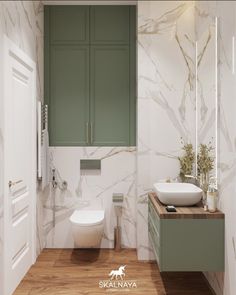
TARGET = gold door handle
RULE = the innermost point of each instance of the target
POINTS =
(11, 183)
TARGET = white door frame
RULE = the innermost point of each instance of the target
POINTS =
(8, 47)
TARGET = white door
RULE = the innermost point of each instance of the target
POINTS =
(19, 164)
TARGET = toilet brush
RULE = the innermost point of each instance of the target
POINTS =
(117, 201)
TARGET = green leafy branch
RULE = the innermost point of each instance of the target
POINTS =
(186, 161)
(205, 160)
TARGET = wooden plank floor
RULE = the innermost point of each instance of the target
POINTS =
(77, 272)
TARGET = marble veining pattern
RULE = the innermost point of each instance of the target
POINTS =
(166, 98)
(90, 190)
(206, 88)
(224, 283)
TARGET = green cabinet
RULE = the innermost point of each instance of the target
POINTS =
(68, 24)
(110, 24)
(186, 244)
(69, 93)
(90, 75)
(110, 95)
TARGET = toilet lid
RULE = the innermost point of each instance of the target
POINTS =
(87, 217)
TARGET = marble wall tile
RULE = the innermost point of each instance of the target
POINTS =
(90, 190)
(166, 98)
(206, 67)
(224, 283)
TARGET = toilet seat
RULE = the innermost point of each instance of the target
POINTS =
(87, 217)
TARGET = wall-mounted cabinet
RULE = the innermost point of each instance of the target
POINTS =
(90, 75)
(187, 240)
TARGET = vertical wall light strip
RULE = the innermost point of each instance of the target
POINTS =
(196, 106)
(216, 101)
(233, 55)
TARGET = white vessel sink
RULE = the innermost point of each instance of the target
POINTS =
(178, 194)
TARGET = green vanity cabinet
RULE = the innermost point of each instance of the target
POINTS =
(186, 242)
(90, 75)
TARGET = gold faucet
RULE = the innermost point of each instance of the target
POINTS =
(202, 181)
(196, 178)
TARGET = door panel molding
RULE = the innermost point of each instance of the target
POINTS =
(19, 151)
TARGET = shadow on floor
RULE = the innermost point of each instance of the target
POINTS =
(180, 283)
(84, 256)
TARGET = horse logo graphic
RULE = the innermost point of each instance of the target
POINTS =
(118, 273)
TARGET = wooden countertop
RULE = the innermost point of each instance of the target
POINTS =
(193, 212)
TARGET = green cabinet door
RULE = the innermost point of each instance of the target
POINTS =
(69, 24)
(186, 244)
(89, 75)
(109, 24)
(109, 95)
(69, 95)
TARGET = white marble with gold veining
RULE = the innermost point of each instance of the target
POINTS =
(90, 190)
(166, 97)
(206, 66)
(167, 31)
(206, 11)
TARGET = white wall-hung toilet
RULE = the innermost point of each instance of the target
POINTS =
(87, 228)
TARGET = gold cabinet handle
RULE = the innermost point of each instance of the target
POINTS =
(91, 132)
(87, 132)
(11, 183)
